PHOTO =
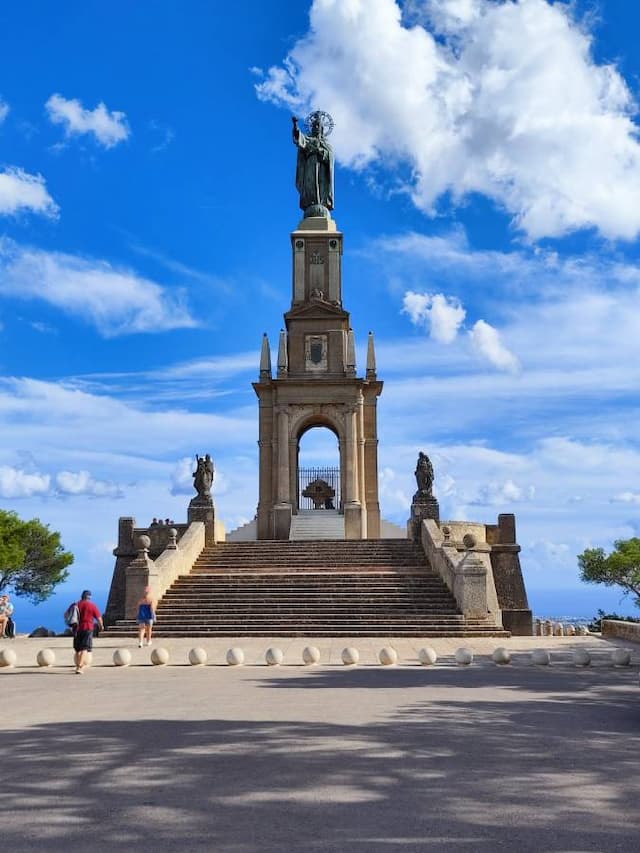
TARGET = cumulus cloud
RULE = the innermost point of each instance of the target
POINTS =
(442, 315)
(21, 191)
(82, 483)
(486, 340)
(182, 477)
(108, 128)
(115, 300)
(21, 483)
(476, 96)
(4, 110)
(16, 483)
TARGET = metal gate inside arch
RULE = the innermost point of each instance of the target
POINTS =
(319, 488)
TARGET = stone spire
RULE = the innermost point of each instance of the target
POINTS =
(371, 358)
(351, 353)
(283, 361)
(265, 359)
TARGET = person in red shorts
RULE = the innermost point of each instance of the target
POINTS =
(83, 635)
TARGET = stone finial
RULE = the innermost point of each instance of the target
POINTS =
(371, 357)
(143, 543)
(351, 353)
(172, 544)
(469, 541)
(283, 360)
(446, 533)
(265, 359)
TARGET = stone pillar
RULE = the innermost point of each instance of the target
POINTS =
(282, 509)
(140, 573)
(422, 506)
(202, 509)
(352, 507)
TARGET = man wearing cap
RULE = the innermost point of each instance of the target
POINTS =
(83, 635)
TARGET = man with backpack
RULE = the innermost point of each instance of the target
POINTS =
(87, 615)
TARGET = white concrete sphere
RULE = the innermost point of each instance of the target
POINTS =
(46, 657)
(235, 656)
(501, 656)
(388, 656)
(274, 657)
(469, 540)
(8, 657)
(581, 657)
(427, 656)
(463, 656)
(311, 655)
(121, 657)
(350, 656)
(582, 630)
(143, 542)
(558, 630)
(159, 657)
(197, 657)
(540, 657)
(571, 630)
(621, 657)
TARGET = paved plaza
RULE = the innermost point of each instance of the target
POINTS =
(324, 758)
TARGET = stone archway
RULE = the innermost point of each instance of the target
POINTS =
(320, 471)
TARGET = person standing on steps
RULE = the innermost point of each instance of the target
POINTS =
(146, 616)
(89, 614)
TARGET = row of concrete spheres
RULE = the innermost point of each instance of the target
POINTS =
(387, 656)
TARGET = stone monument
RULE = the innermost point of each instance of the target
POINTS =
(201, 507)
(424, 504)
(316, 384)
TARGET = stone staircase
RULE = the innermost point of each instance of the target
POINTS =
(320, 589)
(317, 524)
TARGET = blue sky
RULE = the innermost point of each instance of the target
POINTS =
(488, 187)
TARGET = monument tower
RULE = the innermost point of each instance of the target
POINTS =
(316, 383)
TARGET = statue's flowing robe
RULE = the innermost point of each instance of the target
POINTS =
(314, 171)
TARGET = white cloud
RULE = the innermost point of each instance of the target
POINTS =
(4, 110)
(16, 483)
(504, 99)
(627, 498)
(443, 315)
(115, 300)
(21, 191)
(182, 477)
(502, 494)
(20, 483)
(487, 342)
(82, 483)
(109, 128)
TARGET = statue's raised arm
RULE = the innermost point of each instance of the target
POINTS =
(315, 166)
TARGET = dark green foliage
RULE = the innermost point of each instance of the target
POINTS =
(32, 559)
(619, 568)
(595, 626)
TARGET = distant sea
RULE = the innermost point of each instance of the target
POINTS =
(579, 604)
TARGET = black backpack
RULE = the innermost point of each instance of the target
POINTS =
(10, 628)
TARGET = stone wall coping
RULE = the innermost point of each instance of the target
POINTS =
(620, 628)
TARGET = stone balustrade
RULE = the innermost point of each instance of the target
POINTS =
(177, 559)
(465, 568)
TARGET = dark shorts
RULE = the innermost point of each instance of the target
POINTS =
(83, 641)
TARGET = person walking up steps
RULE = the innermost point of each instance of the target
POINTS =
(146, 616)
(83, 634)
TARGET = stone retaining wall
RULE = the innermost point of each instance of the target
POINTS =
(623, 630)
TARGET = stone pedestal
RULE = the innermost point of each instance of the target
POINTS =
(281, 521)
(202, 509)
(423, 506)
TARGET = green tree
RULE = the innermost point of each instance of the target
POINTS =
(32, 559)
(619, 568)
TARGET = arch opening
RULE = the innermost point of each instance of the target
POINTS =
(318, 469)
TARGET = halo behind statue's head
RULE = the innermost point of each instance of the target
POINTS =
(326, 122)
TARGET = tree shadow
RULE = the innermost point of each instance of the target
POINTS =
(451, 771)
